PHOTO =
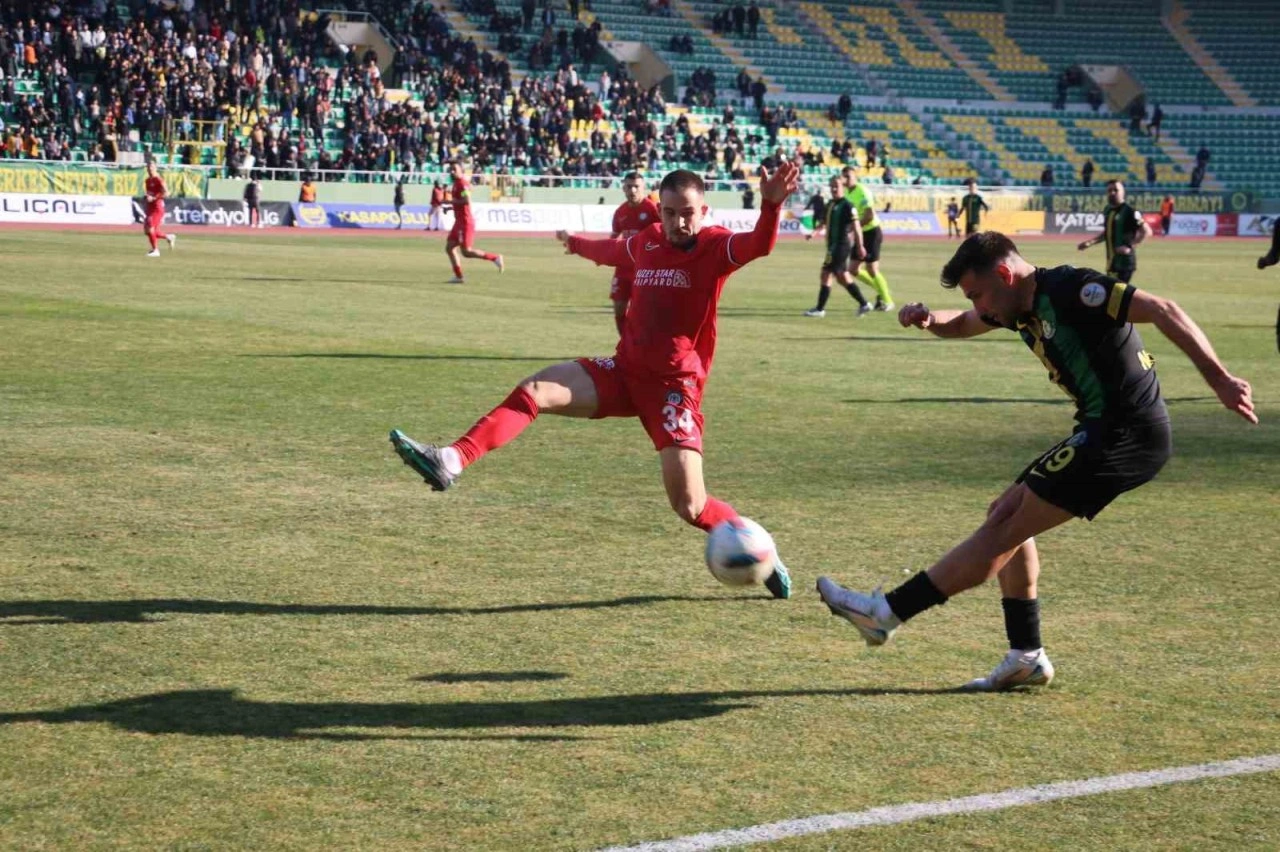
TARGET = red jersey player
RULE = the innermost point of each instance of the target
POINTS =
(631, 217)
(661, 364)
(156, 193)
(464, 227)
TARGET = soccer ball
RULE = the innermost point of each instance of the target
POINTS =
(740, 552)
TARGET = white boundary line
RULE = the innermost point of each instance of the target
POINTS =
(967, 805)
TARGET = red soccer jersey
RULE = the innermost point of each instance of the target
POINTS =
(629, 220)
(670, 327)
(155, 189)
(461, 199)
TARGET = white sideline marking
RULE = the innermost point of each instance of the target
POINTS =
(967, 805)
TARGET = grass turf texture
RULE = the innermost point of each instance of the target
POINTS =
(230, 617)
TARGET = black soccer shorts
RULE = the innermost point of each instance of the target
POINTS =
(1097, 464)
(837, 259)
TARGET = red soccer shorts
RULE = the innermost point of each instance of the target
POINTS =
(670, 409)
(155, 216)
(463, 232)
(620, 287)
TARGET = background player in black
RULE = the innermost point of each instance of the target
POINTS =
(1271, 258)
(1080, 324)
(953, 219)
(1122, 228)
(844, 237)
(973, 206)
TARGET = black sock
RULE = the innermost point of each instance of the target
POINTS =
(1022, 623)
(824, 293)
(855, 293)
(914, 597)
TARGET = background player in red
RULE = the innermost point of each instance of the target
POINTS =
(156, 193)
(662, 361)
(464, 227)
(632, 216)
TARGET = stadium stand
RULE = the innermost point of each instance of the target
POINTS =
(948, 88)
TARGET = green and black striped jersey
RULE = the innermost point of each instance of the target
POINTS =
(1079, 329)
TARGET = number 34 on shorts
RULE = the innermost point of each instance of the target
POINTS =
(678, 418)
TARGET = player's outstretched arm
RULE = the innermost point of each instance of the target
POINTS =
(943, 323)
(1092, 241)
(774, 189)
(1174, 323)
(608, 252)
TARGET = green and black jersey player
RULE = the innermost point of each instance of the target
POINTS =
(864, 207)
(973, 205)
(1081, 325)
(844, 238)
(1271, 258)
(1122, 229)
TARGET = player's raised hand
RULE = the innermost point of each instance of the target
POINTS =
(1236, 395)
(777, 186)
(915, 314)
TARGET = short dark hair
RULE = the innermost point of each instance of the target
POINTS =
(680, 180)
(1114, 182)
(979, 253)
(632, 176)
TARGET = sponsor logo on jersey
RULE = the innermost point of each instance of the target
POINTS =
(676, 278)
(675, 397)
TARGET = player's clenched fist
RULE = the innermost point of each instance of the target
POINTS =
(915, 314)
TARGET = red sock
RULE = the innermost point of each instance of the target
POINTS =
(160, 236)
(457, 269)
(713, 513)
(151, 236)
(489, 257)
(497, 427)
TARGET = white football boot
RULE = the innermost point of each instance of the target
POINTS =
(869, 613)
(1018, 668)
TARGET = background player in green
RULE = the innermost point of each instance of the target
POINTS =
(1080, 324)
(844, 240)
(1122, 228)
(973, 206)
(864, 204)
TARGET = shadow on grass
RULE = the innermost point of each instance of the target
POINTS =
(489, 677)
(383, 356)
(997, 400)
(902, 338)
(16, 613)
(222, 713)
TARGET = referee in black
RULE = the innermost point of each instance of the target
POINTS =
(973, 206)
(1081, 324)
(1122, 229)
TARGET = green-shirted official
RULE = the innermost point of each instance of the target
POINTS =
(1122, 228)
(844, 239)
(864, 204)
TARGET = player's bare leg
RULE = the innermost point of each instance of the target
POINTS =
(565, 389)
(476, 254)
(151, 231)
(687, 493)
(455, 260)
(1016, 516)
